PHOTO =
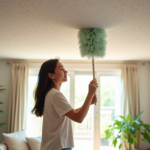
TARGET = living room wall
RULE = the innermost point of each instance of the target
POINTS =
(144, 90)
(5, 79)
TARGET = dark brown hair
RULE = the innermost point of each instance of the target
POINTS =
(44, 84)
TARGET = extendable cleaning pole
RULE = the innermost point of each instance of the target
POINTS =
(92, 44)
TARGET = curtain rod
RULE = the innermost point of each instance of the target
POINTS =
(103, 63)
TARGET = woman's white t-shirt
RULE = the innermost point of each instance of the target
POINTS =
(57, 131)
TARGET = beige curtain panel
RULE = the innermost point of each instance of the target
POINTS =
(130, 92)
(18, 96)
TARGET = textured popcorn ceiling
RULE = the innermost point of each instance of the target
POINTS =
(43, 29)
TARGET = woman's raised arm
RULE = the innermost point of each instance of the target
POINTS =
(80, 115)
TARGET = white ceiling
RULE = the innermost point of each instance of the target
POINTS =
(43, 29)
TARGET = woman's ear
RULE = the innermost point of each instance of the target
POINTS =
(51, 76)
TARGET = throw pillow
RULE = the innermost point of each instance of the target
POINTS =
(16, 140)
(34, 142)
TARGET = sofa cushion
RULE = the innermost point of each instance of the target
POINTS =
(34, 142)
(16, 140)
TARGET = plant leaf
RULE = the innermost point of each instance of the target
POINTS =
(118, 136)
(1, 85)
(122, 117)
(120, 146)
(144, 140)
(132, 129)
(116, 122)
(3, 124)
(114, 142)
(116, 128)
(123, 124)
(138, 116)
(137, 122)
(135, 139)
(141, 122)
(130, 140)
(146, 136)
(120, 130)
(146, 125)
(147, 129)
(1, 103)
(108, 135)
(1, 112)
(107, 131)
(128, 118)
(2, 90)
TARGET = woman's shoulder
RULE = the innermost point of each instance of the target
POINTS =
(52, 92)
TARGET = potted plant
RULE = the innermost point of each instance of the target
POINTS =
(124, 131)
(2, 90)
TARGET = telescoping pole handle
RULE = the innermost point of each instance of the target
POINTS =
(93, 69)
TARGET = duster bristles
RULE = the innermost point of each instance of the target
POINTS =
(92, 42)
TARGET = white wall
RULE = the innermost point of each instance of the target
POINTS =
(5, 75)
(144, 90)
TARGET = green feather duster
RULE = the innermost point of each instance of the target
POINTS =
(92, 42)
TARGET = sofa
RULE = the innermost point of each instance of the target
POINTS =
(20, 140)
(3, 146)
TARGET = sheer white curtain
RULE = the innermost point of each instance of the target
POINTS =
(18, 94)
(130, 92)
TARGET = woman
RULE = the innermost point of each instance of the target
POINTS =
(57, 113)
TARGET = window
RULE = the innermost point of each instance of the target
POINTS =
(65, 88)
(34, 124)
(90, 134)
(83, 133)
(109, 98)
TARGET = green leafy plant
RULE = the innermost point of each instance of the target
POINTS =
(124, 131)
(2, 90)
